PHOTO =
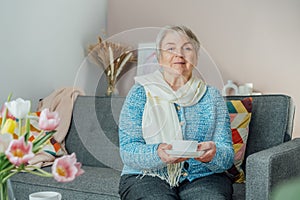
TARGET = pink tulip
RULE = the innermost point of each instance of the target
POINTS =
(48, 120)
(66, 168)
(18, 152)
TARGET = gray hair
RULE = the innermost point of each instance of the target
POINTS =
(179, 29)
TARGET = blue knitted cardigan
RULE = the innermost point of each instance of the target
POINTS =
(206, 120)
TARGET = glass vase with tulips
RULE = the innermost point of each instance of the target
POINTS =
(16, 150)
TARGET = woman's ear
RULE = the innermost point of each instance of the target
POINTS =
(158, 54)
(158, 57)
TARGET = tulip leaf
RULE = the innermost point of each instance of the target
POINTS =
(5, 164)
(38, 143)
(27, 130)
(26, 137)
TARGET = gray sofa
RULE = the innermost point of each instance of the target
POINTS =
(272, 157)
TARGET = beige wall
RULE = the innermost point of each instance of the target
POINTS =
(254, 41)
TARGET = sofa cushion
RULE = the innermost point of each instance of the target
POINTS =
(240, 116)
(238, 191)
(96, 141)
(96, 183)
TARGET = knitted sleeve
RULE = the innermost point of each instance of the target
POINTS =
(133, 149)
(224, 157)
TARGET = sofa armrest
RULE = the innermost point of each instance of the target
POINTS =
(267, 168)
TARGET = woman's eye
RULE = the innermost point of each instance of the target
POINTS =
(187, 48)
(170, 49)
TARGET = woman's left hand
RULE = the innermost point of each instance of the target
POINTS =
(209, 149)
(166, 158)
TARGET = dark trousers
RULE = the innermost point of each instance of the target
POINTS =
(213, 187)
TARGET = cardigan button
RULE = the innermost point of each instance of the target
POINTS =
(185, 174)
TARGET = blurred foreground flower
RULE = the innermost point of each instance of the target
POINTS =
(48, 120)
(9, 126)
(66, 168)
(18, 152)
(18, 145)
(18, 108)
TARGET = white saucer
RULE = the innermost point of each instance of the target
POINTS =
(184, 154)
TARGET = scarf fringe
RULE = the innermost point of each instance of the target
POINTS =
(171, 174)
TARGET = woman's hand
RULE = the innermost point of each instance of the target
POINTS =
(166, 158)
(209, 149)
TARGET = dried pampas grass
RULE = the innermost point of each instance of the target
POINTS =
(112, 57)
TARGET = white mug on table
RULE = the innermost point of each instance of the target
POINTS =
(45, 196)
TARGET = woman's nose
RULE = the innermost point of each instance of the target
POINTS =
(179, 52)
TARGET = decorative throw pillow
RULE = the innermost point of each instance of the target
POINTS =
(240, 116)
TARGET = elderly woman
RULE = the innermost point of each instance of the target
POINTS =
(172, 104)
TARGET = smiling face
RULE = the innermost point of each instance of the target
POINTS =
(177, 55)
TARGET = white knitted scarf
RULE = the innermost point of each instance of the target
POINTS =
(160, 123)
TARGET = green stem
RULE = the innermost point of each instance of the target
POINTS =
(39, 142)
(31, 167)
(7, 169)
(5, 163)
(20, 127)
(27, 129)
(44, 174)
(8, 176)
(39, 136)
(3, 191)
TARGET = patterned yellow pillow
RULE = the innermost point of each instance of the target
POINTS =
(240, 116)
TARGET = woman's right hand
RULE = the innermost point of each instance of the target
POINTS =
(166, 158)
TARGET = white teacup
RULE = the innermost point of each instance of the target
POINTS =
(48, 195)
(184, 145)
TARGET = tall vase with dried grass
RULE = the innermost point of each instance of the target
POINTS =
(112, 57)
